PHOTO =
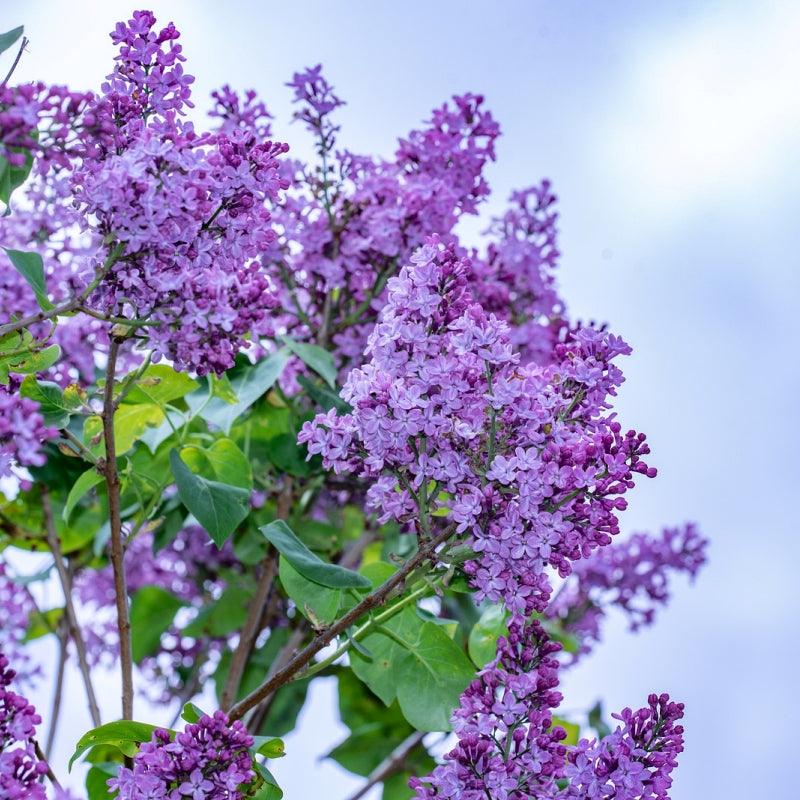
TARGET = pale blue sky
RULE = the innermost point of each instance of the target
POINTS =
(670, 131)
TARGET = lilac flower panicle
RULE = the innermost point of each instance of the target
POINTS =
(21, 770)
(632, 575)
(634, 762)
(178, 218)
(16, 607)
(507, 748)
(209, 760)
(525, 460)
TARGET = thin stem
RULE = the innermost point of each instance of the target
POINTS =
(115, 521)
(367, 628)
(69, 608)
(325, 637)
(82, 449)
(55, 709)
(393, 763)
(23, 44)
(50, 774)
(250, 631)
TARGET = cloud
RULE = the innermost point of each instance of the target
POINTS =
(710, 110)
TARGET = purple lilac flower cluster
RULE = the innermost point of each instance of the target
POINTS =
(632, 575)
(635, 761)
(16, 607)
(21, 770)
(523, 459)
(190, 209)
(507, 744)
(22, 430)
(177, 217)
(317, 101)
(515, 280)
(209, 760)
(351, 227)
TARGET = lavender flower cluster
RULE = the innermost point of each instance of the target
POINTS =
(507, 745)
(510, 749)
(20, 768)
(16, 607)
(209, 760)
(523, 459)
(632, 575)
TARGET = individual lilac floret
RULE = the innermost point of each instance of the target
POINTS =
(635, 762)
(21, 770)
(632, 575)
(524, 461)
(208, 761)
(507, 746)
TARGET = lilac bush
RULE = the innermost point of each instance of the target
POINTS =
(270, 421)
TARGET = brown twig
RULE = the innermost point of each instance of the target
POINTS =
(69, 607)
(252, 625)
(58, 689)
(115, 521)
(23, 44)
(50, 774)
(394, 762)
(325, 637)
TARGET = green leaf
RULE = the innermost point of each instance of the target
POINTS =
(191, 713)
(324, 397)
(160, 384)
(377, 671)
(31, 267)
(223, 461)
(218, 507)
(7, 39)
(221, 387)
(32, 362)
(40, 623)
(124, 735)
(316, 357)
(97, 782)
(152, 611)
(307, 563)
(54, 405)
(12, 176)
(313, 600)
(431, 675)
(130, 422)
(250, 383)
(268, 746)
(85, 482)
(267, 786)
(482, 643)
(420, 665)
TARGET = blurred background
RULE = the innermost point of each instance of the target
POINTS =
(670, 131)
